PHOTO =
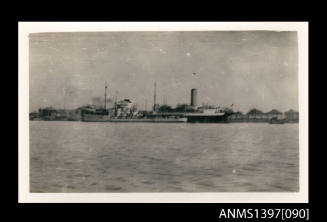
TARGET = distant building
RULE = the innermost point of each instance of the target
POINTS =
(291, 116)
(33, 115)
(255, 114)
(47, 113)
(274, 113)
(61, 114)
(237, 116)
(50, 113)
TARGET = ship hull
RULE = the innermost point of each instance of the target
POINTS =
(187, 118)
(106, 118)
(181, 120)
(95, 118)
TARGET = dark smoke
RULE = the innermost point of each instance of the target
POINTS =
(99, 101)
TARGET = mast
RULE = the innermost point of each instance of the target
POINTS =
(116, 92)
(64, 98)
(155, 96)
(116, 96)
(105, 96)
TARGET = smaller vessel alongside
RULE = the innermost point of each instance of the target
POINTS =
(275, 120)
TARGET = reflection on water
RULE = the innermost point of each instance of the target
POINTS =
(154, 157)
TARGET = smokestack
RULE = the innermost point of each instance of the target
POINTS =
(105, 96)
(194, 94)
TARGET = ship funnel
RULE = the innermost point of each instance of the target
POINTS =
(194, 94)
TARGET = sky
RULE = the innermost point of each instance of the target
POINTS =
(250, 69)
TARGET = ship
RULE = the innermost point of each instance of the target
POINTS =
(123, 113)
(275, 120)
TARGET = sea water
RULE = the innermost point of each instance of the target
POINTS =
(163, 157)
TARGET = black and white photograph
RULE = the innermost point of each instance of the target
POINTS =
(210, 112)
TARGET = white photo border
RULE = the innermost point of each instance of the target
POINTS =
(24, 195)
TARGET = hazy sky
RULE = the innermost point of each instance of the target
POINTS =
(248, 69)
